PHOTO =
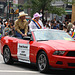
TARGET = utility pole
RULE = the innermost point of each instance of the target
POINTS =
(73, 11)
(7, 8)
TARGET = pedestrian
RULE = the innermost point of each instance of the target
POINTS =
(1, 21)
(70, 25)
(73, 26)
(21, 25)
(54, 20)
(6, 30)
(55, 26)
(64, 28)
(36, 23)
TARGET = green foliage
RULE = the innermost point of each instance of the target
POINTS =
(44, 5)
(37, 5)
(59, 11)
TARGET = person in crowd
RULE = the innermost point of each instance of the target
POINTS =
(54, 26)
(7, 22)
(49, 23)
(36, 23)
(44, 24)
(54, 20)
(73, 26)
(64, 28)
(1, 21)
(66, 23)
(12, 32)
(47, 26)
(57, 24)
(70, 25)
(60, 26)
(71, 31)
(21, 25)
(7, 30)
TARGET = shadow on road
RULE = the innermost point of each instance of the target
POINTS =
(61, 72)
(32, 67)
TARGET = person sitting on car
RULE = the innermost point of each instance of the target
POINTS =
(36, 23)
(21, 25)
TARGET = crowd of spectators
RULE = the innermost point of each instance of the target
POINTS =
(7, 26)
(66, 26)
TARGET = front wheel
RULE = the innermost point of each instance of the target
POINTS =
(7, 56)
(42, 62)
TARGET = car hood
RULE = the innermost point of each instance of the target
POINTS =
(60, 44)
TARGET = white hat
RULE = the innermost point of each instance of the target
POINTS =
(71, 29)
(22, 14)
(4, 20)
(37, 15)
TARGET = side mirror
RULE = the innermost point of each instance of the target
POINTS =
(29, 34)
(26, 38)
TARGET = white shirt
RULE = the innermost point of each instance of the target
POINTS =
(33, 26)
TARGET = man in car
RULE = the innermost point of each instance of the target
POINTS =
(21, 25)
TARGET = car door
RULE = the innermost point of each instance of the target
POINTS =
(23, 51)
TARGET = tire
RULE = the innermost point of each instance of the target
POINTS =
(7, 56)
(42, 62)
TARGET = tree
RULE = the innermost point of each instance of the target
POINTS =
(43, 5)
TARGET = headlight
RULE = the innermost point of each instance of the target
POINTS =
(58, 52)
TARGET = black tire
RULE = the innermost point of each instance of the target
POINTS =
(7, 56)
(42, 62)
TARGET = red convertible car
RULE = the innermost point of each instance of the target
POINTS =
(45, 47)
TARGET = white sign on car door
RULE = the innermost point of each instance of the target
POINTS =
(23, 52)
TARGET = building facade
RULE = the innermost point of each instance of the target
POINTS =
(2, 8)
(67, 7)
(5, 9)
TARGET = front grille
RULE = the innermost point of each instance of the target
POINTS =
(71, 64)
(71, 53)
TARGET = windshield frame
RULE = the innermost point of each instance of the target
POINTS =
(53, 30)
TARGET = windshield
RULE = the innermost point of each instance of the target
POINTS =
(43, 35)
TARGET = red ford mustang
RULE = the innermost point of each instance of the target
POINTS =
(46, 48)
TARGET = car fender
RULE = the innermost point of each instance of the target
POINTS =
(46, 49)
(10, 44)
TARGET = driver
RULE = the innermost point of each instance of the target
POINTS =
(21, 25)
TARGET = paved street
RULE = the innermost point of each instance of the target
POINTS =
(26, 69)
(17, 69)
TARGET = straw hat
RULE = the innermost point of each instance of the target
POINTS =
(22, 14)
(37, 15)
